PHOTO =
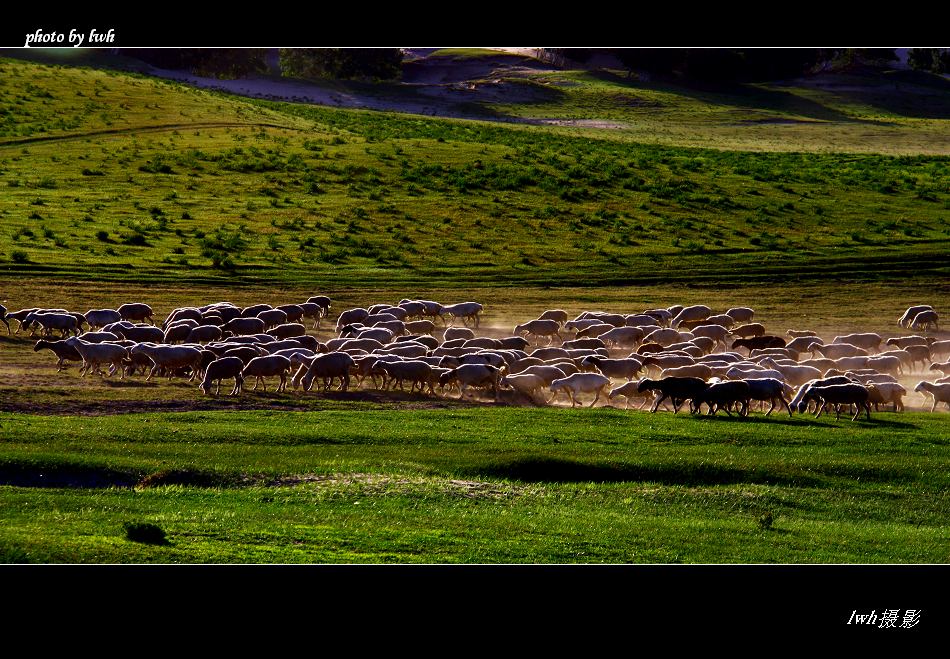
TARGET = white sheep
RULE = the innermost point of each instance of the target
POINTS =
(169, 358)
(464, 310)
(925, 319)
(579, 383)
(695, 312)
(939, 392)
(96, 354)
(270, 365)
(911, 313)
(527, 384)
(539, 328)
(136, 311)
(452, 333)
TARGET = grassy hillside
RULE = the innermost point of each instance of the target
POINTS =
(118, 176)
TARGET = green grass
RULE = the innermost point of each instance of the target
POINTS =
(303, 193)
(485, 485)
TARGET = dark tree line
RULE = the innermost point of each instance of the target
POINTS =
(731, 64)
(311, 63)
(934, 60)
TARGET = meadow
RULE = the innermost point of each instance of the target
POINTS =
(115, 187)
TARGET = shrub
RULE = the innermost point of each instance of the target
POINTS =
(145, 532)
(19, 256)
(103, 235)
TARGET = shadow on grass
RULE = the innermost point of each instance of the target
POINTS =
(810, 422)
(549, 470)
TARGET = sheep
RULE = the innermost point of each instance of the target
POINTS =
(219, 369)
(840, 394)
(940, 349)
(397, 312)
(868, 340)
(244, 326)
(482, 342)
(412, 308)
(417, 372)
(98, 337)
(136, 311)
(691, 370)
(294, 312)
(321, 300)
(452, 333)
(514, 342)
(350, 316)
(662, 361)
(527, 384)
(595, 330)
(140, 333)
(63, 351)
(405, 350)
(904, 341)
(539, 328)
(428, 341)
(204, 334)
(640, 320)
(717, 333)
(695, 312)
(64, 322)
(941, 367)
(738, 373)
(329, 366)
(911, 313)
(795, 375)
(578, 325)
(748, 331)
(179, 331)
(798, 403)
(419, 326)
(939, 392)
(665, 337)
(547, 373)
(794, 334)
(626, 337)
(758, 342)
(287, 331)
(579, 383)
(101, 317)
(924, 320)
(95, 354)
(472, 375)
(629, 390)
(741, 314)
(585, 343)
(804, 343)
(381, 334)
(558, 315)
(885, 364)
(678, 389)
(169, 358)
(254, 309)
(770, 389)
(722, 320)
(272, 318)
(20, 316)
(723, 395)
(244, 353)
(662, 315)
(3, 317)
(883, 393)
(261, 367)
(312, 311)
(464, 310)
(614, 368)
(759, 354)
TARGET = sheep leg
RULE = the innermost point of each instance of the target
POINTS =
(657, 402)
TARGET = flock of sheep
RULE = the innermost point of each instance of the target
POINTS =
(678, 354)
